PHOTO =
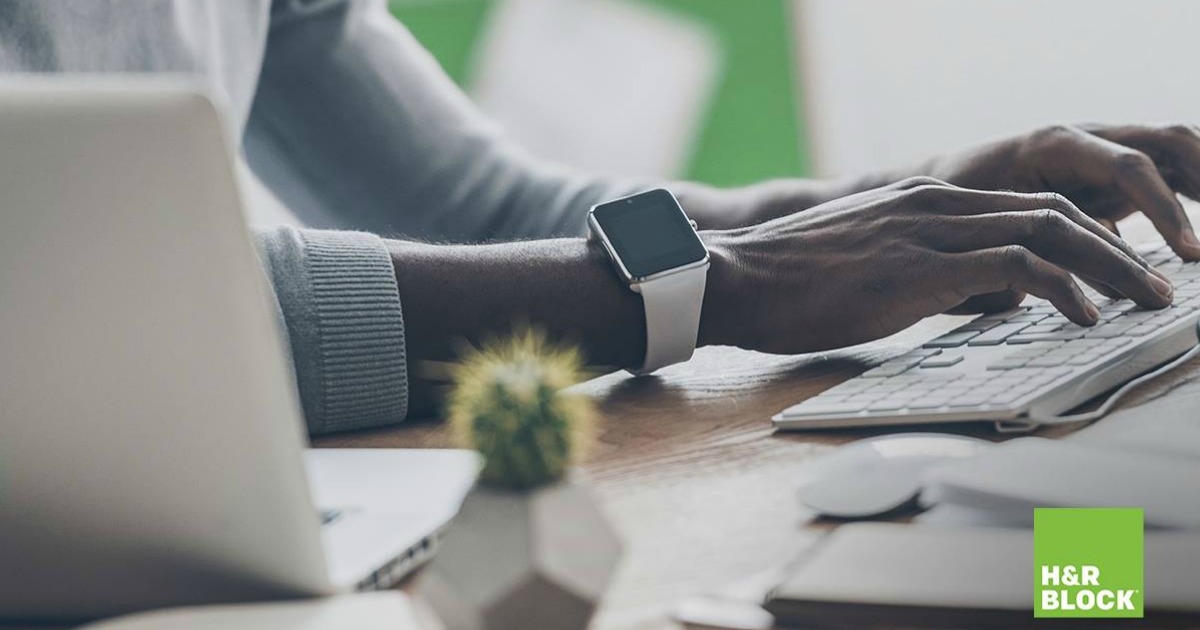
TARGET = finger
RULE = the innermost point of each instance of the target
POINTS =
(965, 201)
(1072, 157)
(1055, 238)
(973, 202)
(1178, 183)
(1111, 226)
(1175, 150)
(1014, 268)
(1102, 289)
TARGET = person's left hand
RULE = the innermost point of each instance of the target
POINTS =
(1109, 172)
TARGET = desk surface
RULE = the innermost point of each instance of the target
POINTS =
(692, 474)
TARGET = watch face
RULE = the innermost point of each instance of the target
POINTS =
(649, 233)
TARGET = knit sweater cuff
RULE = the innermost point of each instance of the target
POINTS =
(341, 310)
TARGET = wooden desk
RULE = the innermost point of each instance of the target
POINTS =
(691, 472)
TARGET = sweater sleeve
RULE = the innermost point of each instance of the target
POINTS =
(355, 126)
(341, 311)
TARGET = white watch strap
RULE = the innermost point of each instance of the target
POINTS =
(672, 303)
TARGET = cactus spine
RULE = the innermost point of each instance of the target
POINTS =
(509, 404)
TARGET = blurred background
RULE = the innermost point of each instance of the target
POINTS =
(733, 91)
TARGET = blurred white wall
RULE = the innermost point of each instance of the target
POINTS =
(889, 82)
(606, 86)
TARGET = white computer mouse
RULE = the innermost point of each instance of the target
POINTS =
(877, 475)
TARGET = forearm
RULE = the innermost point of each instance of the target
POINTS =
(454, 295)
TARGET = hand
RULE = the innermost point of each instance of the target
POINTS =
(871, 264)
(1110, 172)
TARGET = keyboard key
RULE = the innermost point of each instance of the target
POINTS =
(1110, 331)
(1048, 360)
(1118, 306)
(942, 361)
(882, 372)
(904, 359)
(852, 386)
(1007, 364)
(997, 335)
(1082, 359)
(817, 407)
(1042, 328)
(970, 400)
(1021, 339)
(1006, 315)
(952, 339)
(1165, 317)
(887, 404)
(1139, 315)
(1112, 344)
(1188, 290)
(1065, 352)
(1035, 351)
(1061, 335)
(1187, 271)
(1029, 318)
(980, 325)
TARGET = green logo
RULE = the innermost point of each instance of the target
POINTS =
(1088, 562)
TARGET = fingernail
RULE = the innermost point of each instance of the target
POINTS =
(1163, 287)
(1189, 239)
(1093, 311)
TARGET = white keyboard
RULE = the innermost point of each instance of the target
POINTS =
(1024, 366)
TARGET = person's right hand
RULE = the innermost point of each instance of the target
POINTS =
(871, 264)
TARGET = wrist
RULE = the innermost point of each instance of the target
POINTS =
(620, 306)
(719, 326)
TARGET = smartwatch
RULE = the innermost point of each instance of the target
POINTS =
(657, 252)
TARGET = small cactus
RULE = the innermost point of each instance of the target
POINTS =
(508, 403)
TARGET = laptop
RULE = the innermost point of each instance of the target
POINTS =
(152, 450)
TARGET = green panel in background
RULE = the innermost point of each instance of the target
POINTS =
(753, 128)
(448, 28)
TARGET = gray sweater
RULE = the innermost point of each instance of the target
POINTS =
(355, 128)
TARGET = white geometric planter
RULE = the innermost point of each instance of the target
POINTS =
(537, 560)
